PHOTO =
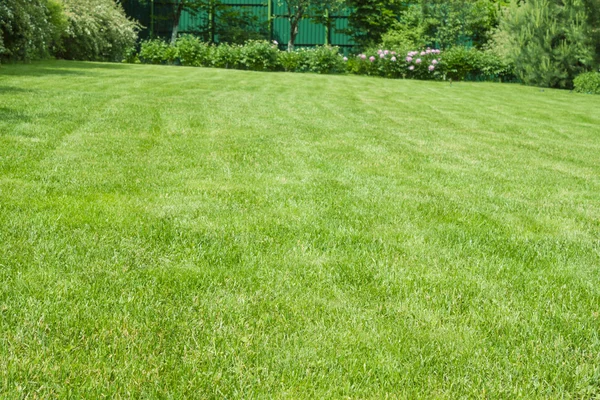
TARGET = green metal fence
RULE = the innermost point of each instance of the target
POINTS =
(154, 16)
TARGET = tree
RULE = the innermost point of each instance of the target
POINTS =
(371, 19)
(550, 41)
(30, 29)
(300, 9)
(192, 6)
(231, 25)
(446, 23)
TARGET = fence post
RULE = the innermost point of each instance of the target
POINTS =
(270, 18)
(327, 28)
(151, 19)
(211, 21)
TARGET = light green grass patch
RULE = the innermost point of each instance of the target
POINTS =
(203, 233)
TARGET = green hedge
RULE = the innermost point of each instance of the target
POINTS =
(254, 55)
(457, 63)
(588, 82)
(72, 29)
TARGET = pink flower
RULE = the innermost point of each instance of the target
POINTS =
(393, 59)
(418, 61)
(386, 52)
(431, 68)
(393, 53)
(423, 53)
(382, 55)
(363, 57)
(345, 58)
(371, 58)
(412, 67)
(409, 59)
(434, 62)
(379, 51)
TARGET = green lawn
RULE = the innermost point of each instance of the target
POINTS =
(200, 233)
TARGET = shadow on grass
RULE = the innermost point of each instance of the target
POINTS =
(12, 116)
(58, 67)
(12, 89)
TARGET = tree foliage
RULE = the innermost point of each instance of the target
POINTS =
(446, 23)
(71, 29)
(29, 29)
(97, 30)
(549, 41)
(371, 19)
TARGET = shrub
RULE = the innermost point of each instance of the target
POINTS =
(226, 56)
(193, 52)
(325, 60)
(157, 51)
(294, 61)
(423, 64)
(97, 30)
(259, 55)
(30, 29)
(588, 82)
(460, 63)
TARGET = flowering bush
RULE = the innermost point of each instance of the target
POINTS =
(414, 64)
(457, 63)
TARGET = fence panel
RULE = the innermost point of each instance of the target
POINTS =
(154, 16)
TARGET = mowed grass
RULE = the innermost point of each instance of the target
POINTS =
(200, 233)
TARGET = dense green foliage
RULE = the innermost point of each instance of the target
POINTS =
(445, 23)
(253, 55)
(588, 82)
(71, 29)
(259, 55)
(190, 51)
(97, 30)
(201, 233)
(538, 42)
(371, 19)
(458, 63)
(549, 41)
(30, 29)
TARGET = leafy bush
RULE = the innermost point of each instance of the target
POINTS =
(30, 29)
(97, 30)
(588, 82)
(157, 51)
(460, 63)
(325, 60)
(70, 29)
(193, 52)
(294, 61)
(226, 56)
(260, 55)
